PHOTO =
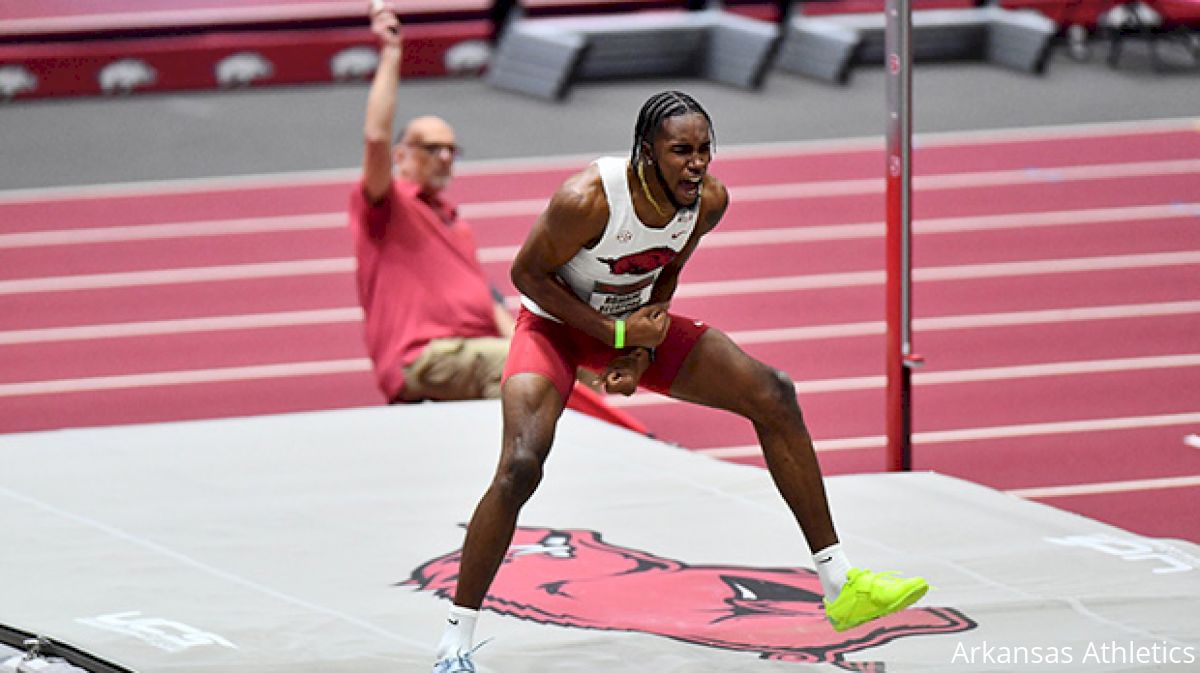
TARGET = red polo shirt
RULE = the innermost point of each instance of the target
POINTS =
(418, 278)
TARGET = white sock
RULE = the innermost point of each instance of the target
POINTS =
(459, 633)
(832, 567)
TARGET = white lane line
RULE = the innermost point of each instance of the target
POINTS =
(965, 180)
(775, 335)
(342, 265)
(945, 225)
(721, 239)
(186, 377)
(150, 188)
(937, 225)
(351, 365)
(1105, 487)
(1006, 373)
(1192, 440)
(978, 434)
(921, 183)
(173, 230)
(718, 239)
(95, 281)
(577, 161)
(976, 137)
(183, 326)
(958, 322)
(722, 288)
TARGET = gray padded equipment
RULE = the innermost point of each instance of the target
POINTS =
(543, 56)
(828, 47)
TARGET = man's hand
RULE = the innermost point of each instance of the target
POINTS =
(385, 24)
(647, 326)
(625, 371)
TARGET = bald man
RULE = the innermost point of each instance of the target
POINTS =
(434, 327)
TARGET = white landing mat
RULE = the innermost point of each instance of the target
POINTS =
(327, 542)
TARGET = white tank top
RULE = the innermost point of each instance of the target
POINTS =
(617, 276)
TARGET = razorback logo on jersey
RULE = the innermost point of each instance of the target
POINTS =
(640, 262)
(574, 578)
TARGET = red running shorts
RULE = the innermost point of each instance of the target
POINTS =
(554, 350)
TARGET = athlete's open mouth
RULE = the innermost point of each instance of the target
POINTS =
(689, 188)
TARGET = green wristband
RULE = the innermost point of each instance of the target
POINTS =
(619, 334)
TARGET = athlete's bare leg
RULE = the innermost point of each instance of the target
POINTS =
(719, 374)
(531, 407)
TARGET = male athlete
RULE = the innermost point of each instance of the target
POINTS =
(596, 275)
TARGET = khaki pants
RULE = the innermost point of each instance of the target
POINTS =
(456, 369)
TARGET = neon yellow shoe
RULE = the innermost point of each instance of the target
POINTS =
(870, 595)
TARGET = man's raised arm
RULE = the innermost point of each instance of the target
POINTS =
(381, 105)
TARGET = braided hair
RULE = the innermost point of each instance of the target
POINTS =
(657, 110)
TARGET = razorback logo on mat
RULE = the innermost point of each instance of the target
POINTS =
(574, 578)
(640, 262)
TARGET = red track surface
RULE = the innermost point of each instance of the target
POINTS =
(57, 16)
(1057, 302)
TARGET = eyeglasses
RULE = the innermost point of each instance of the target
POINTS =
(438, 148)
